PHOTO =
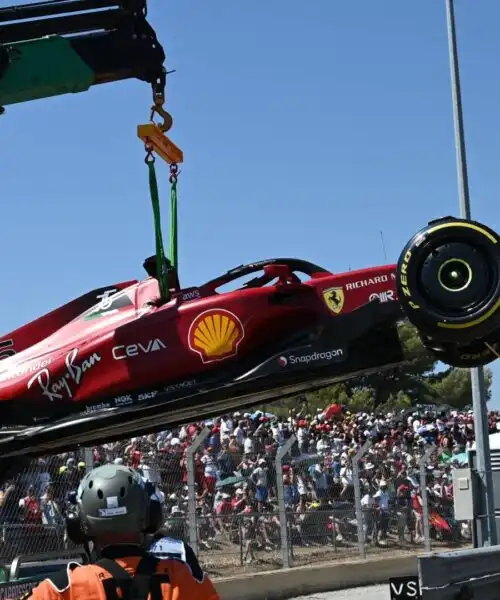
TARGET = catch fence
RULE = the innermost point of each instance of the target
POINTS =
(240, 512)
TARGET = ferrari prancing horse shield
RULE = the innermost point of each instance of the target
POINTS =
(334, 299)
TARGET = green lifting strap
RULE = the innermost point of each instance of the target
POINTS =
(160, 251)
(173, 216)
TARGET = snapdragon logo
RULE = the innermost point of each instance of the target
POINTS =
(311, 358)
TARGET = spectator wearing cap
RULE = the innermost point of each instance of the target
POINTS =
(260, 480)
(210, 470)
(224, 509)
(30, 507)
(239, 500)
(214, 439)
(291, 492)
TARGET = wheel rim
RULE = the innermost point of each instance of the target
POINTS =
(456, 277)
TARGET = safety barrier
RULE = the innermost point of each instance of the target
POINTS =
(460, 575)
(27, 570)
(275, 585)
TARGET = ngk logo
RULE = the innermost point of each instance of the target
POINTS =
(387, 296)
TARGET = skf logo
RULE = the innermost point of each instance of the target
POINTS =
(334, 299)
(215, 335)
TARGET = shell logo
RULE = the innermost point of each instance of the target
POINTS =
(215, 335)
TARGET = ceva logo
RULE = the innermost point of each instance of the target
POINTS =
(133, 350)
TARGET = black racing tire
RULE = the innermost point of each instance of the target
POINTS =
(476, 354)
(448, 281)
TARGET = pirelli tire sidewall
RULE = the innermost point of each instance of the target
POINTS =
(420, 312)
(466, 357)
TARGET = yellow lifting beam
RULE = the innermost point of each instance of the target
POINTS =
(155, 140)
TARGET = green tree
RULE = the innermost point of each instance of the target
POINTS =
(420, 379)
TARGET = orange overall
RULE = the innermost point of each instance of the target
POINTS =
(124, 576)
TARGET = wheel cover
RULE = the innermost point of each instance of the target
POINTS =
(456, 278)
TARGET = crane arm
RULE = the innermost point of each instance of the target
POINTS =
(66, 46)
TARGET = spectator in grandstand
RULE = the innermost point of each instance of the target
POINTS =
(52, 513)
(10, 500)
(31, 512)
(259, 477)
(209, 462)
(242, 447)
(68, 478)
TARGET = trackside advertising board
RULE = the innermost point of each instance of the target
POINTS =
(16, 589)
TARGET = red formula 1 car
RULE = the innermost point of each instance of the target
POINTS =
(117, 362)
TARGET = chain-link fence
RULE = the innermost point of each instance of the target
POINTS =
(33, 505)
(260, 509)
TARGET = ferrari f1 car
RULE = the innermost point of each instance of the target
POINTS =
(118, 362)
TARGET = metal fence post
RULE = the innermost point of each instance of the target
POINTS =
(88, 457)
(425, 503)
(280, 488)
(193, 534)
(357, 496)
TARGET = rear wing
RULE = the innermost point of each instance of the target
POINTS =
(66, 46)
(41, 328)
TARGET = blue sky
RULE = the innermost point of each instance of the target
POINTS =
(307, 129)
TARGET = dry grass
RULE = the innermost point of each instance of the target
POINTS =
(226, 559)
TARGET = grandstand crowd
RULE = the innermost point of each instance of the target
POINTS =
(235, 471)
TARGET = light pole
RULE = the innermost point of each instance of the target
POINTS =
(483, 458)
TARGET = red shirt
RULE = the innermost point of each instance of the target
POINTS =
(135, 458)
(224, 508)
(32, 512)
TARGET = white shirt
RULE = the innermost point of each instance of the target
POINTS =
(259, 476)
(383, 499)
(346, 475)
(367, 501)
(210, 467)
(277, 434)
(151, 474)
(226, 428)
(248, 445)
(240, 435)
(322, 446)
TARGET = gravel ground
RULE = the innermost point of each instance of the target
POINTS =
(371, 592)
